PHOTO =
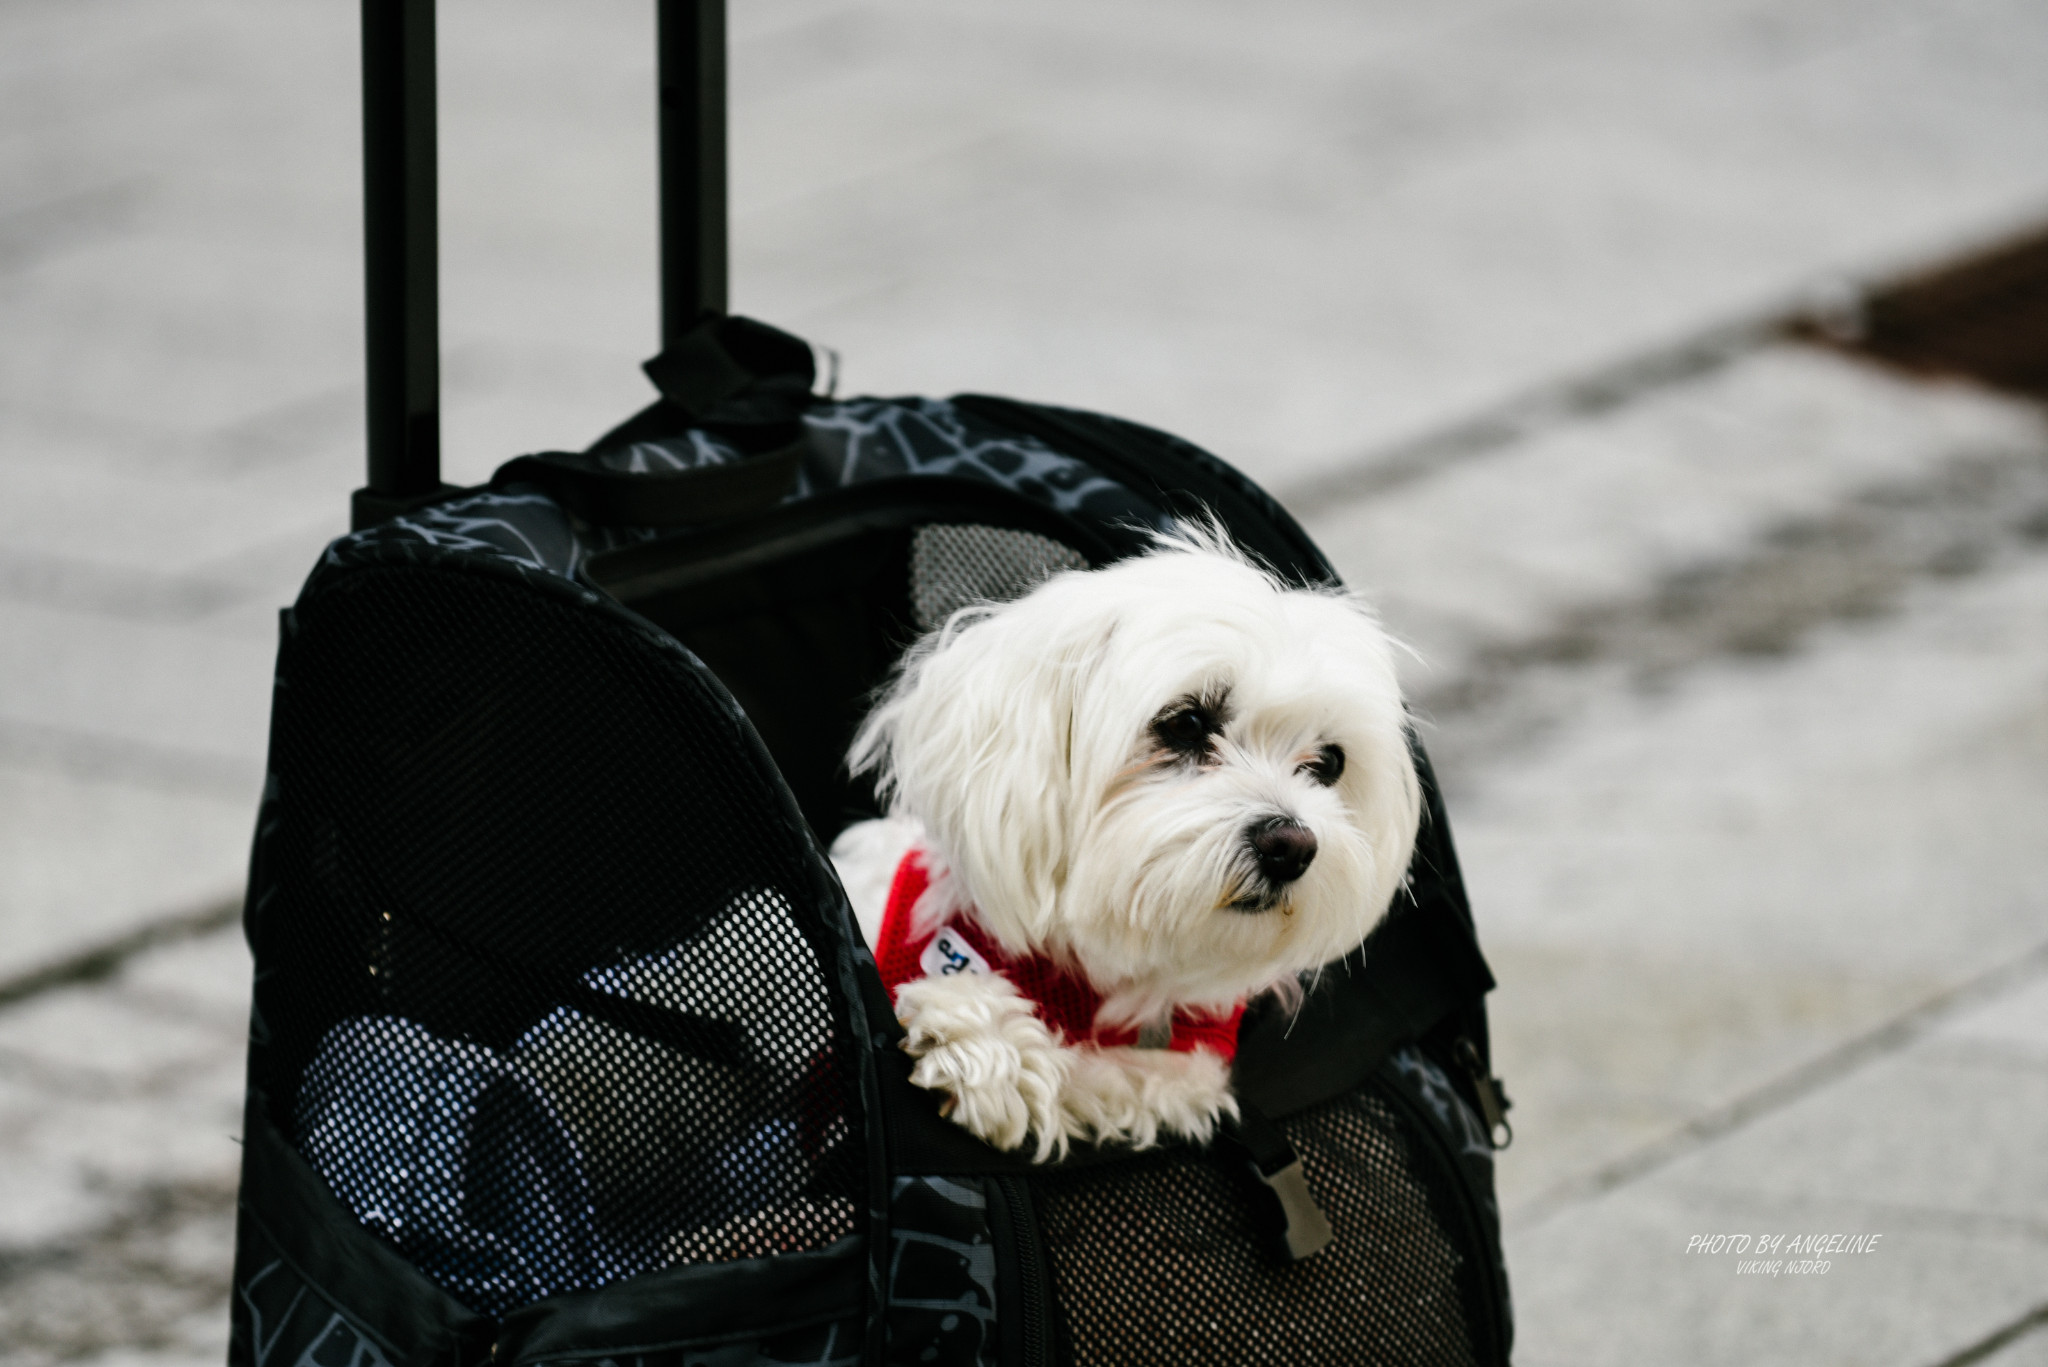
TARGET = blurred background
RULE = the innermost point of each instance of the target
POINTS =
(1671, 373)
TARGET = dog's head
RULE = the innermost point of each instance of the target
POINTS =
(1176, 773)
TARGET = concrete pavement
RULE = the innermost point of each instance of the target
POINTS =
(1737, 676)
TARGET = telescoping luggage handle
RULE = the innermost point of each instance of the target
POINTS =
(400, 229)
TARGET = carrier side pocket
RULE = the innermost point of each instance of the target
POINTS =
(1463, 1148)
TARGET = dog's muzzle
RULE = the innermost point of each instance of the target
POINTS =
(1284, 848)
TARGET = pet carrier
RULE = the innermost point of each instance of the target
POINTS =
(565, 1047)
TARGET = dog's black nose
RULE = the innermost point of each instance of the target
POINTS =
(1284, 847)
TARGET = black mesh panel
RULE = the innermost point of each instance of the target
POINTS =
(953, 565)
(541, 991)
(1158, 1261)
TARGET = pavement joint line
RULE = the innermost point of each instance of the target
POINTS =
(2034, 1319)
(1781, 1091)
(101, 961)
(1540, 408)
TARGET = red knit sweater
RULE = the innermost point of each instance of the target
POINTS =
(1066, 1001)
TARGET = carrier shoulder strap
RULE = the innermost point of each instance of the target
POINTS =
(663, 498)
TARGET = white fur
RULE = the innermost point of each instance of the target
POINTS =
(1016, 745)
(1132, 1095)
(866, 855)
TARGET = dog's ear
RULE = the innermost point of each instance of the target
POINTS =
(975, 740)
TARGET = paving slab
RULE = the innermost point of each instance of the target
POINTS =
(111, 1091)
(1616, 1286)
(84, 859)
(170, 685)
(1942, 1136)
(2014, 1027)
(1818, 808)
(120, 1105)
(2030, 1350)
(1691, 892)
(1934, 1149)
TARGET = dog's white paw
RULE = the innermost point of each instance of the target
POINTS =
(977, 1039)
(1131, 1096)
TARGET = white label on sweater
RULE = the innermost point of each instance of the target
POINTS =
(948, 954)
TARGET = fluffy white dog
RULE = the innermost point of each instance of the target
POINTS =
(1120, 806)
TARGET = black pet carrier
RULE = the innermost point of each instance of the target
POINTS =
(565, 1048)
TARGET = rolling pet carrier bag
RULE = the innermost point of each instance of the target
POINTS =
(565, 1047)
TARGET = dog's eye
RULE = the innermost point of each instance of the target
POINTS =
(1328, 765)
(1186, 730)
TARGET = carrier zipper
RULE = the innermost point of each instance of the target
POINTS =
(1493, 1098)
(1032, 1314)
(1494, 1293)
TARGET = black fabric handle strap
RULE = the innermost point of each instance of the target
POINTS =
(669, 498)
(736, 369)
(728, 370)
(740, 379)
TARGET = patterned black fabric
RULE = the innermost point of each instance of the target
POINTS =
(856, 440)
(523, 530)
(286, 1324)
(942, 1271)
(847, 443)
(864, 439)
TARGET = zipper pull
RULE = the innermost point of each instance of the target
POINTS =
(1493, 1098)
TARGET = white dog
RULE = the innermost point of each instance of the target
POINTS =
(1119, 807)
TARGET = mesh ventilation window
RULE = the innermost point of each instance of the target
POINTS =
(1156, 1261)
(541, 992)
(953, 565)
